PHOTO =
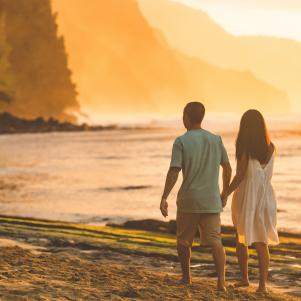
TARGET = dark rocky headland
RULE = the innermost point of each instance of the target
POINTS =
(10, 124)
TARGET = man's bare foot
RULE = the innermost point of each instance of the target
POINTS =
(243, 283)
(222, 288)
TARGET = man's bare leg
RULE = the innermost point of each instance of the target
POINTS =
(184, 253)
(219, 257)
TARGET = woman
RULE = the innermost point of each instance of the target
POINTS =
(254, 205)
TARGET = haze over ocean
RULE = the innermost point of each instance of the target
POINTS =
(97, 177)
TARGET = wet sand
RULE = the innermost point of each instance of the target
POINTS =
(43, 260)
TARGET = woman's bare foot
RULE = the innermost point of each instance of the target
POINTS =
(243, 283)
(262, 290)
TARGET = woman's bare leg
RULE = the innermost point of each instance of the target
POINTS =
(242, 256)
(264, 262)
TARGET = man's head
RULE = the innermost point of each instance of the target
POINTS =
(193, 114)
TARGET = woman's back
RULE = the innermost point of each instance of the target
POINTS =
(254, 204)
(255, 168)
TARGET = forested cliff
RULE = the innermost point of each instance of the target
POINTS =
(34, 76)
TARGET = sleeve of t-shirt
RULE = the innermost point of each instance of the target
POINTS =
(224, 156)
(177, 154)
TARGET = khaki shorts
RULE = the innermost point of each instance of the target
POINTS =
(209, 225)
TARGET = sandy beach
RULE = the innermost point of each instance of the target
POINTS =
(43, 260)
(75, 275)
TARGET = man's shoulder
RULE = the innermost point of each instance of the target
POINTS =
(209, 136)
(180, 138)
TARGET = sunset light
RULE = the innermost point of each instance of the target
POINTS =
(150, 150)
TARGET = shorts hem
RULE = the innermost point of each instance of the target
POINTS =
(199, 211)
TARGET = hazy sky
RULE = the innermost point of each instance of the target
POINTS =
(254, 17)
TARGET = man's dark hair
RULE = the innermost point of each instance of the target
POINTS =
(195, 112)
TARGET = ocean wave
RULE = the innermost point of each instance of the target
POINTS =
(111, 157)
(131, 187)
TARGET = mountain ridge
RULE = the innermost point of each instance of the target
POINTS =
(272, 59)
(155, 76)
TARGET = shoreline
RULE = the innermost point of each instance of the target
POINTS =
(117, 263)
(148, 224)
(161, 226)
(11, 124)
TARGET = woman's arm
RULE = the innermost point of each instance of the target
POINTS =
(227, 173)
(241, 169)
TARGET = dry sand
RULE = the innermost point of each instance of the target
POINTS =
(72, 274)
(48, 260)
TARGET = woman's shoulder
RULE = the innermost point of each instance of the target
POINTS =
(270, 156)
(272, 150)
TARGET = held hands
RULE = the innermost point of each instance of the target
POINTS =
(224, 198)
(164, 207)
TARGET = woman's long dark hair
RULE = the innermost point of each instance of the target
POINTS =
(253, 138)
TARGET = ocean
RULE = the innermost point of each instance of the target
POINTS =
(113, 176)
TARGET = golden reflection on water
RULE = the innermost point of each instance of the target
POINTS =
(94, 177)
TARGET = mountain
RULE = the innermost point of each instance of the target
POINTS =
(225, 90)
(274, 60)
(118, 62)
(33, 63)
(122, 64)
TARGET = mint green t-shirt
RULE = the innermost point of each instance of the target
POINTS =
(199, 154)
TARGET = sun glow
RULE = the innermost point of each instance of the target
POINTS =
(115, 77)
(270, 18)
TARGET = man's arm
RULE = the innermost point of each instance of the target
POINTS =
(171, 179)
(227, 173)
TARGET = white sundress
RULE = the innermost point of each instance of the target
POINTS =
(254, 209)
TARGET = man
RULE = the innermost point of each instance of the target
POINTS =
(199, 154)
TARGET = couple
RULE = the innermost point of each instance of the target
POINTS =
(199, 154)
